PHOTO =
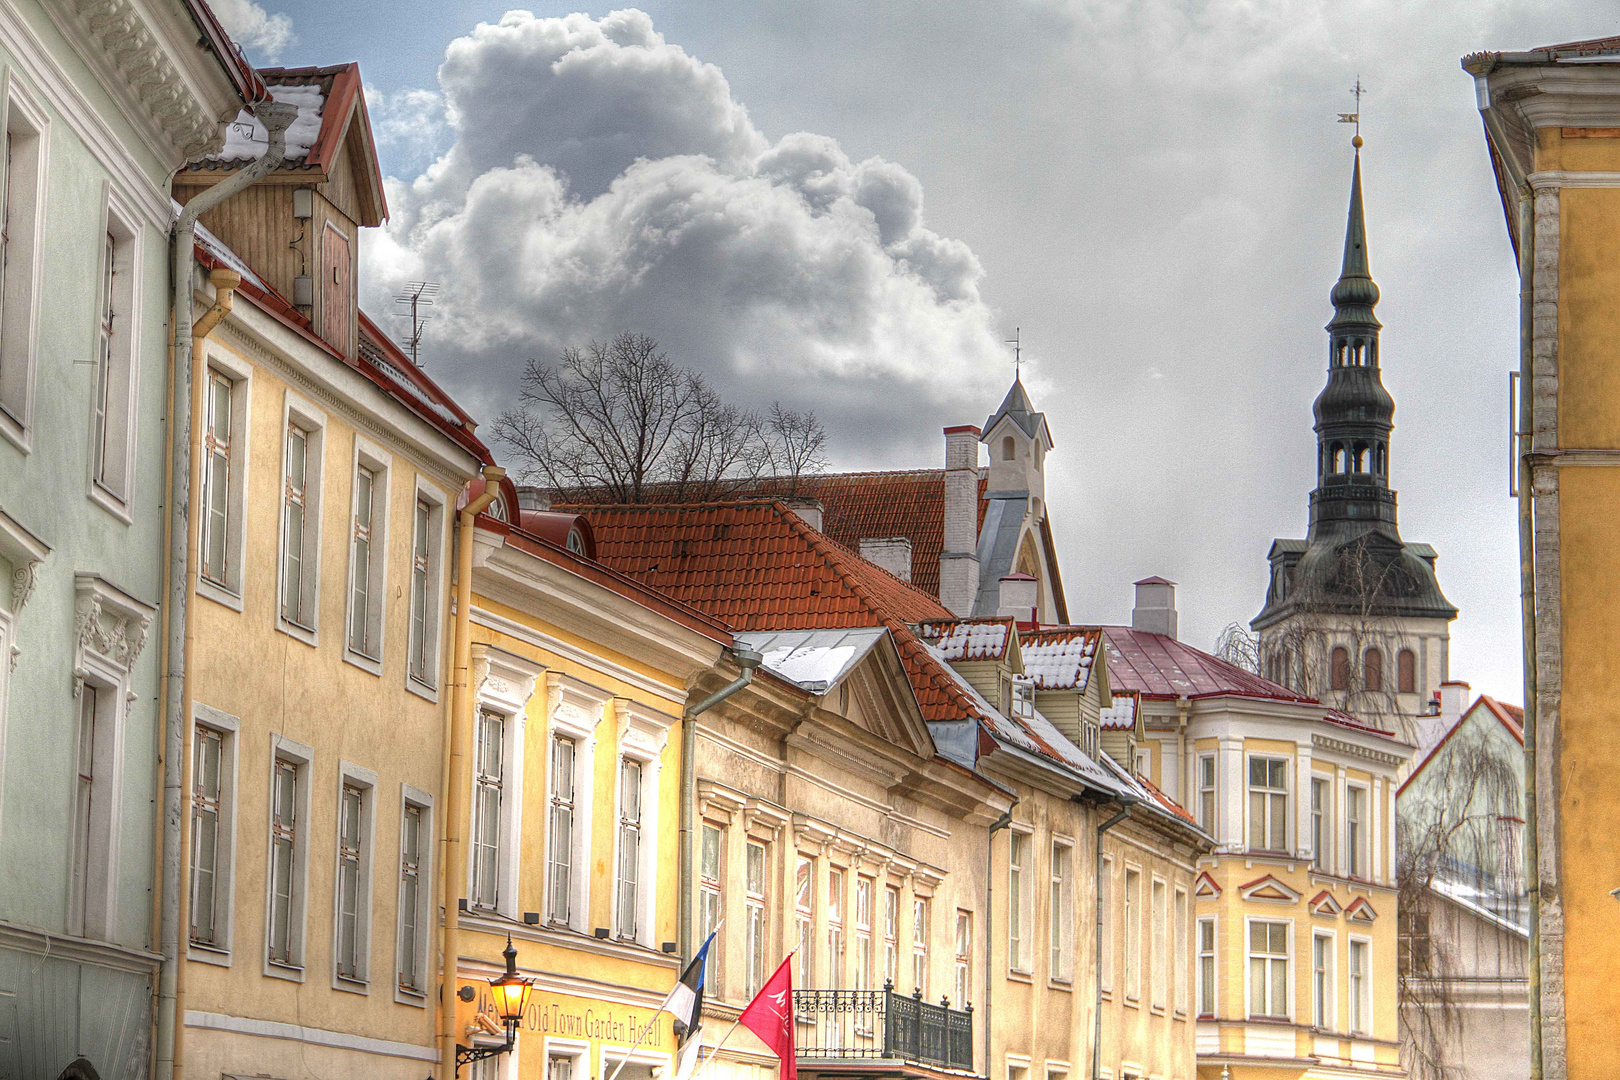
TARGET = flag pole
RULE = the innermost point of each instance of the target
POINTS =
(617, 1069)
(712, 1053)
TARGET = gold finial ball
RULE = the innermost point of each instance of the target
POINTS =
(1356, 142)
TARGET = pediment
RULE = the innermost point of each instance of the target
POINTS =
(1205, 887)
(1325, 905)
(1361, 911)
(1269, 888)
(876, 696)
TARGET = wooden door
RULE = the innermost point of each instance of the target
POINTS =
(337, 291)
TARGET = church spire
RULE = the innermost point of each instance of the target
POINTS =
(1355, 294)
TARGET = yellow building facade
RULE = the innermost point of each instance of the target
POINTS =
(1552, 122)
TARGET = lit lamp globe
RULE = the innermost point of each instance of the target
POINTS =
(511, 990)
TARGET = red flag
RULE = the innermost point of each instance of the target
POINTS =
(770, 1016)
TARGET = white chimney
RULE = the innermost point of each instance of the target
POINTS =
(1155, 611)
(1453, 700)
(893, 553)
(1018, 596)
(959, 561)
(809, 510)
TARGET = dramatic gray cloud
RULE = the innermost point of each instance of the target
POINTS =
(600, 178)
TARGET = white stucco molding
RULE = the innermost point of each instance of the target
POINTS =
(576, 707)
(642, 730)
(504, 681)
(764, 819)
(108, 622)
(719, 801)
(24, 551)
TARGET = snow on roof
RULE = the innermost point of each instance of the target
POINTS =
(216, 247)
(246, 139)
(812, 659)
(968, 639)
(1061, 659)
(1120, 716)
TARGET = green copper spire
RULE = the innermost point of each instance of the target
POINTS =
(1355, 293)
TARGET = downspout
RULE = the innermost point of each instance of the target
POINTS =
(1124, 802)
(1480, 68)
(989, 923)
(748, 661)
(182, 574)
(454, 869)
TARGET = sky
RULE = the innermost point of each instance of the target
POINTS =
(849, 207)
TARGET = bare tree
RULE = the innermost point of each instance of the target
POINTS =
(619, 421)
(1239, 647)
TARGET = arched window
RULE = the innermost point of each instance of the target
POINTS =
(1338, 354)
(1339, 669)
(1008, 449)
(1338, 457)
(1372, 670)
(1406, 671)
(1380, 459)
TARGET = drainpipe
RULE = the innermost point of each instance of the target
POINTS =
(184, 463)
(1125, 801)
(1480, 67)
(989, 923)
(455, 869)
(748, 662)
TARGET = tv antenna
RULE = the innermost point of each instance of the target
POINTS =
(1018, 349)
(417, 295)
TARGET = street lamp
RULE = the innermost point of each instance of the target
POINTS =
(511, 992)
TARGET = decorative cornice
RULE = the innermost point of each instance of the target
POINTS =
(1342, 746)
(25, 552)
(108, 621)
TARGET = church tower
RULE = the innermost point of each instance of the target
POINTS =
(1354, 616)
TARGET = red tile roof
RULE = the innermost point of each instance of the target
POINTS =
(1157, 666)
(1591, 45)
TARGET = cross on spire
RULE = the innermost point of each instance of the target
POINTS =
(1017, 351)
(1355, 117)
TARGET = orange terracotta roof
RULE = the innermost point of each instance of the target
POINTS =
(1166, 801)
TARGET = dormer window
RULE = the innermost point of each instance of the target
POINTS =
(1023, 698)
(1009, 449)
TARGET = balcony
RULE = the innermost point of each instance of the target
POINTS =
(878, 1025)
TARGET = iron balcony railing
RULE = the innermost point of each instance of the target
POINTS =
(843, 1024)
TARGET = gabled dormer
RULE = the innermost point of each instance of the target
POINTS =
(299, 228)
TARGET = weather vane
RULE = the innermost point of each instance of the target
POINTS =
(1017, 352)
(1354, 117)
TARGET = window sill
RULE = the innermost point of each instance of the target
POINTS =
(1014, 975)
(422, 689)
(1065, 985)
(15, 433)
(110, 503)
(1132, 1003)
(308, 635)
(1157, 1010)
(1181, 1015)
(363, 662)
(208, 954)
(276, 970)
(414, 998)
(219, 594)
(351, 986)
(1107, 994)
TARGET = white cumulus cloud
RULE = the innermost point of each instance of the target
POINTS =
(253, 27)
(598, 178)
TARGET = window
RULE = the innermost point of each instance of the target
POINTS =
(1105, 916)
(489, 769)
(863, 933)
(1355, 832)
(1061, 929)
(216, 481)
(1206, 967)
(891, 936)
(1319, 823)
(964, 959)
(919, 945)
(93, 817)
(352, 878)
(755, 929)
(415, 894)
(1360, 989)
(300, 519)
(1339, 668)
(1008, 449)
(116, 390)
(1406, 671)
(710, 904)
(1372, 670)
(1268, 969)
(211, 766)
(1133, 934)
(1023, 698)
(1268, 804)
(421, 607)
(368, 556)
(1206, 793)
(835, 929)
(1178, 958)
(20, 260)
(1414, 946)
(1018, 902)
(628, 892)
(560, 831)
(1160, 945)
(804, 910)
(1322, 981)
(1142, 760)
(287, 802)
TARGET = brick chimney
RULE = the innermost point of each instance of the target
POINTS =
(959, 561)
(1155, 611)
(893, 553)
(1018, 596)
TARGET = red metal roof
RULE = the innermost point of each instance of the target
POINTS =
(1157, 666)
(249, 87)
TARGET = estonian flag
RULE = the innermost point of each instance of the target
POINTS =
(685, 1000)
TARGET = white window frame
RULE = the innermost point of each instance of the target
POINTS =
(643, 734)
(1181, 913)
(504, 684)
(26, 180)
(575, 710)
(963, 938)
(411, 798)
(711, 897)
(891, 934)
(1364, 1002)
(1322, 822)
(923, 906)
(837, 877)
(1105, 916)
(352, 777)
(227, 728)
(302, 756)
(1020, 897)
(229, 592)
(865, 909)
(115, 383)
(1268, 792)
(1288, 967)
(380, 463)
(1060, 913)
(1209, 985)
(756, 929)
(1159, 943)
(312, 422)
(804, 908)
(1132, 915)
(436, 605)
(562, 803)
(1357, 845)
(1208, 788)
(1324, 1015)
